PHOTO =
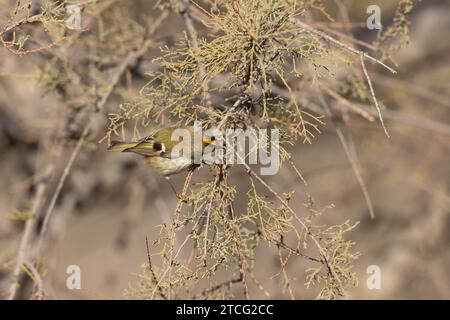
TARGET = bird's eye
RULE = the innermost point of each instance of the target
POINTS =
(157, 146)
(212, 138)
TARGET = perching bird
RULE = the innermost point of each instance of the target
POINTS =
(157, 150)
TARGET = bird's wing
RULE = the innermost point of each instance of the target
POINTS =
(148, 147)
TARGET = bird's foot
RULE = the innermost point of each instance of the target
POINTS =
(182, 197)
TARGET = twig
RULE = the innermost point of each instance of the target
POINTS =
(411, 120)
(59, 187)
(372, 92)
(352, 157)
(347, 103)
(322, 251)
(176, 215)
(349, 38)
(394, 115)
(341, 44)
(23, 251)
(237, 234)
(236, 105)
(220, 286)
(285, 275)
(173, 257)
(297, 252)
(151, 269)
(208, 217)
(131, 59)
(193, 34)
(39, 292)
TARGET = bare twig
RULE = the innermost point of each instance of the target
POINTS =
(150, 268)
(372, 92)
(355, 108)
(297, 252)
(411, 120)
(352, 157)
(59, 187)
(341, 44)
(219, 286)
(393, 115)
(24, 247)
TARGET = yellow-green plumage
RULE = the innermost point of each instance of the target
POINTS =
(166, 166)
(157, 150)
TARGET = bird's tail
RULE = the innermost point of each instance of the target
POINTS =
(121, 146)
(144, 148)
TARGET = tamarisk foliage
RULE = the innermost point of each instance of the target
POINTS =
(275, 64)
(251, 51)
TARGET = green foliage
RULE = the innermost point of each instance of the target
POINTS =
(396, 36)
(19, 215)
(259, 67)
(251, 45)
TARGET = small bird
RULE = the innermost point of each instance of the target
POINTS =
(157, 151)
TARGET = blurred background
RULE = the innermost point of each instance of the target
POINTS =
(111, 202)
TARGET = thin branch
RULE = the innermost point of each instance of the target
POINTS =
(150, 268)
(393, 115)
(372, 92)
(172, 244)
(297, 252)
(208, 217)
(355, 108)
(237, 234)
(411, 120)
(130, 60)
(322, 251)
(37, 279)
(219, 286)
(341, 44)
(177, 212)
(42, 187)
(23, 251)
(352, 157)
(193, 34)
(59, 187)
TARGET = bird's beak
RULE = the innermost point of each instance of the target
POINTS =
(208, 141)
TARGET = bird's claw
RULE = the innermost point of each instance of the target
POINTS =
(183, 197)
